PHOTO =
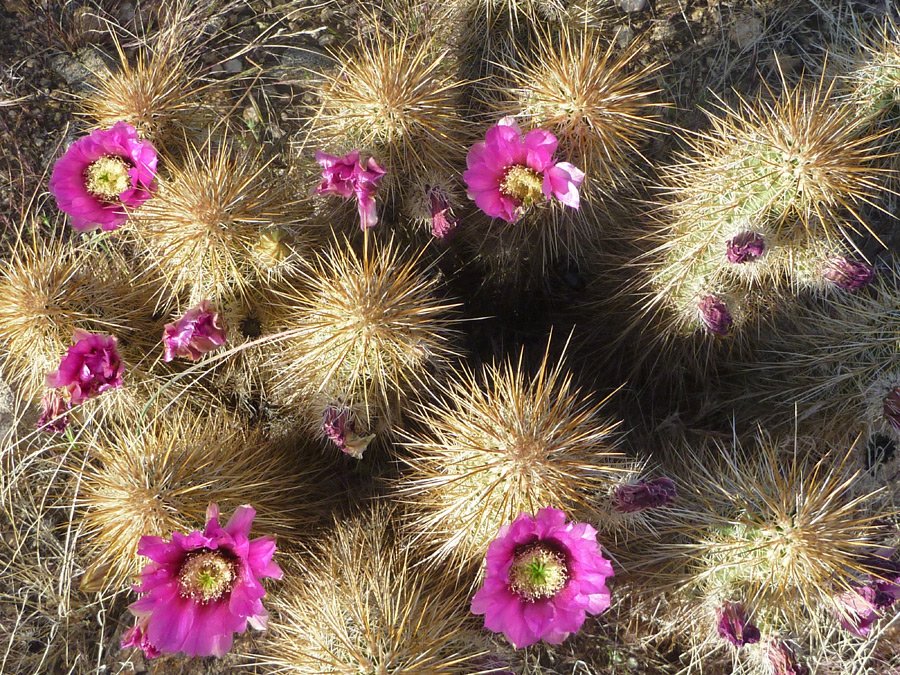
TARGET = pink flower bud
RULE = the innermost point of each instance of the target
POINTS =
(857, 611)
(735, 627)
(443, 222)
(645, 495)
(715, 315)
(339, 427)
(90, 367)
(848, 274)
(136, 636)
(745, 247)
(194, 334)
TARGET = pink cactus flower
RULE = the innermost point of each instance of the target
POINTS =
(194, 334)
(715, 315)
(543, 577)
(339, 427)
(848, 274)
(103, 175)
(443, 222)
(734, 627)
(346, 176)
(745, 247)
(201, 588)
(90, 367)
(507, 173)
(54, 412)
(643, 495)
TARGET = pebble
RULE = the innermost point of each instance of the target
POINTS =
(233, 66)
(746, 31)
(633, 6)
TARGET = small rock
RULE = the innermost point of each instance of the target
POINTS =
(233, 66)
(624, 36)
(746, 31)
(302, 65)
(126, 12)
(633, 6)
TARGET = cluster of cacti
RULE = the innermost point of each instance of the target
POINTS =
(255, 377)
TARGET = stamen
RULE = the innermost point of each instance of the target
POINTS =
(206, 575)
(522, 184)
(108, 177)
(538, 572)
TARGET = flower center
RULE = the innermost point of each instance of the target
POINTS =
(108, 177)
(522, 184)
(538, 572)
(206, 575)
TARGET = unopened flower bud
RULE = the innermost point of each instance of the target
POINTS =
(645, 495)
(848, 274)
(745, 247)
(735, 627)
(715, 315)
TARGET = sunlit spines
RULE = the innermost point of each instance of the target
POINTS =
(778, 530)
(491, 447)
(159, 476)
(597, 103)
(396, 98)
(219, 224)
(48, 288)
(358, 598)
(370, 328)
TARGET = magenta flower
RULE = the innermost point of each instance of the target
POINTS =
(715, 315)
(848, 274)
(734, 626)
(745, 247)
(194, 334)
(102, 175)
(201, 588)
(645, 495)
(339, 427)
(508, 172)
(543, 577)
(54, 412)
(345, 176)
(443, 222)
(90, 367)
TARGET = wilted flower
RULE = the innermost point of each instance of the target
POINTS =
(884, 578)
(715, 315)
(781, 658)
(201, 588)
(102, 174)
(443, 222)
(345, 176)
(90, 367)
(745, 247)
(857, 611)
(543, 576)
(645, 495)
(848, 274)
(508, 172)
(53, 412)
(735, 627)
(339, 427)
(891, 408)
(194, 334)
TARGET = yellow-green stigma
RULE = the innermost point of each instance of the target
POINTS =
(107, 177)
(205, 576)
(522, 184)
(538, 572)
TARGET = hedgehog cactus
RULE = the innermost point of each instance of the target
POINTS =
(763, 206)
